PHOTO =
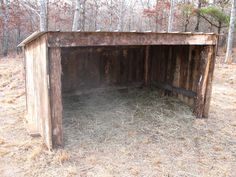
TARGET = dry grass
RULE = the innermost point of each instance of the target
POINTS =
(36, 152)
(133, 133)
(62, 156)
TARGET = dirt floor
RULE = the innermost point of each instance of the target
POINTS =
(134, 133)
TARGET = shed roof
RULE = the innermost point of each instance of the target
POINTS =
(67, 39)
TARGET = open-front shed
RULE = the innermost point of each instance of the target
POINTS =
(178, 64)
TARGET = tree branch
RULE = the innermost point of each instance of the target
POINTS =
(209, 21)
(29, 7)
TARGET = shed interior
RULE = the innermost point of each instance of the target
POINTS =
(171, 68)
(94, 77)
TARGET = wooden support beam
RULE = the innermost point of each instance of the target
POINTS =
(206, 64)
(55, 96)
(147, 67)
(209, 82)
(178, 90)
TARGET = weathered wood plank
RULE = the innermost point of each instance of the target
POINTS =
(209, 81)
(147, 66)
(206, 60)
(38, 106)
(33, 123)
(55, 96)
(69, 39)
(171, 88)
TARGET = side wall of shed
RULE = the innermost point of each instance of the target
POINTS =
(37, 89)
(186, 72)
(175, 69)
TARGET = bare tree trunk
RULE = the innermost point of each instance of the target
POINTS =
(83, 15)
(5, 15)
(96, 15)
(111, 15)
(18, 31)
(156, 21)
(198, 16)
(171, 13)
(76, 16)
(121, 17)
(186, 25)
(218, 37)
(228, 57)
(43, 15)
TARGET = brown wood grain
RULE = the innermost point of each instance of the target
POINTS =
(147, 66)
(38, 106)
(55, 96)
(69, 39)
(206, 60)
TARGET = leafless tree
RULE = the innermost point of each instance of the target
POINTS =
(171, 14)
(76, 16)
(198, 16)
(228, 57)
(43, 15)
(5, 18)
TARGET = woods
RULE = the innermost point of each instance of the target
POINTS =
(228, 57)
(18, 18)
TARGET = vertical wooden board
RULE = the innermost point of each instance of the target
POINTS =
(209, 82)
(206, 60)
(89, 75)
(197, 67)
(37, 89)
(68, 70)
(176, 78)
(133, 66)
(55, 96)
(33, 124)
(158, 63)
(184, 66)
(124, 66)
(140, 70)
(152, 65)
(94, 61)
(130, 65)
(154, 62)
(162, 66)
(113, 58)
(184, 70)
(165, 63)
(107, 67)
(188, 100)
(117, 64)
(170, 65)
(147, 66)
(43, 83)
(102, 68)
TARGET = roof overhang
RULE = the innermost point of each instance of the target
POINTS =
(32, 37)
(69, 38)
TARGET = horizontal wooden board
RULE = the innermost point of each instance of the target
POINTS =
(68, 39)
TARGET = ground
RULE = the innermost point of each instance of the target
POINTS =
(130, 136)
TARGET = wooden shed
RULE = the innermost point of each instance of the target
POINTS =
(179, 64)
